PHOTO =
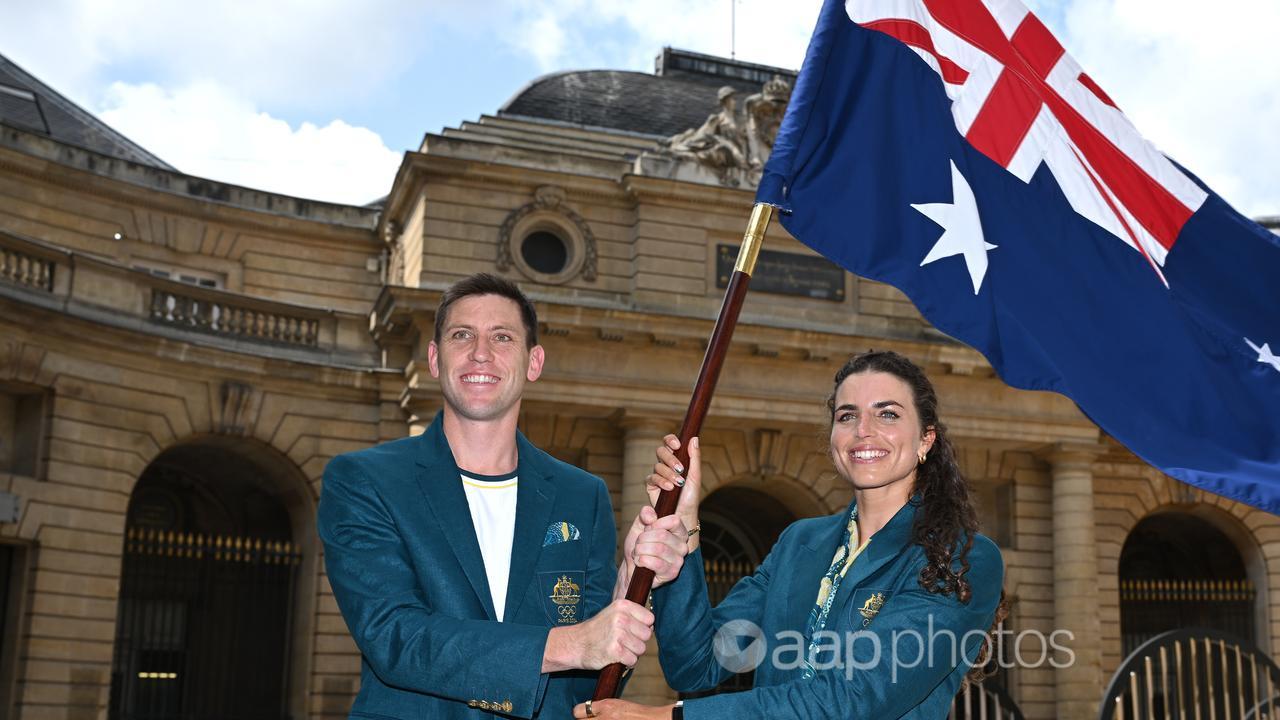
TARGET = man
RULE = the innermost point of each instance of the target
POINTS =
(474, 570)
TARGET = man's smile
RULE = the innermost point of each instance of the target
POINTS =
(480, 378)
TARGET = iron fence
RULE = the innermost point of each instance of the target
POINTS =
(1195, 673)
(204, 627)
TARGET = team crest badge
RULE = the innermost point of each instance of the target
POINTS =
(871, 607)
(565, 595)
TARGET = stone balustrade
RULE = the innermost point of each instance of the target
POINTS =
(208, 311)
(26, 269)
(106, 291)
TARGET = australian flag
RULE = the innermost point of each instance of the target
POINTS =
(953, 149)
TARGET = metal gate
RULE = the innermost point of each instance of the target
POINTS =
(983, 701)
(1196, 674)
(1151, 607)
(204, 627)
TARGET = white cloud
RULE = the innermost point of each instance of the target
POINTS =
(588, 34)
(1198, 80)
(205, 71)
(295, 54)
(544, 40)
(207, 130)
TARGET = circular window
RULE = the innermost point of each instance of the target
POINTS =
(545, 252)
(546, 246)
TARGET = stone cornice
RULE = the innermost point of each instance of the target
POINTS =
(85, 335)
(594, 364)
(1067, 455)
(394, 312)
(86, 172)
(110, 295)
(688, 194)
(601, 396)
(417, 168)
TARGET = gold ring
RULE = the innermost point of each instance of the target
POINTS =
(590, 712)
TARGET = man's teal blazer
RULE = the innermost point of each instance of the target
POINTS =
(879, 603)
(403, 560)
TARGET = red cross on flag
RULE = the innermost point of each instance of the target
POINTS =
(1021, 100)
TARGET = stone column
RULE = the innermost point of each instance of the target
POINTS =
(641, 438)
(1079, 686)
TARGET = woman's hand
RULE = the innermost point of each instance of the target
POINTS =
(659, 544)
(622, 710)
(669, 474)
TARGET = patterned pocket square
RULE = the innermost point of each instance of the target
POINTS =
(558, 532)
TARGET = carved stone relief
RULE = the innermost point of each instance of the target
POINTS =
(732, 144)
(237, 408)
(20, 361)
(395, 257)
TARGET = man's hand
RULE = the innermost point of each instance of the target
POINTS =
(659, 544)
(617, 634)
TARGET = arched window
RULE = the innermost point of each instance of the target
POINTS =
(1179, 571)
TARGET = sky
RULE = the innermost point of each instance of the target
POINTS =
(321, 98)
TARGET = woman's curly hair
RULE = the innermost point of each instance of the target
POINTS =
(946, 519)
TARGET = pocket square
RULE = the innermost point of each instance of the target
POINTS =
(558, 532)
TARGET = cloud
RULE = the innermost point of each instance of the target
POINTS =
(189, 81)
(1196, 80)
(295, 54)
(207, 130)
(622, 33)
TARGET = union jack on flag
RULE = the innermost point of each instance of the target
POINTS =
(1021, 100)
(954, 149)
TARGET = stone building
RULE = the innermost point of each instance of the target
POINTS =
(179, 358)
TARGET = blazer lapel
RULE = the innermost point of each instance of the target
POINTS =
(812, 564)
(535, 496)
(885, 545)
(441, 483)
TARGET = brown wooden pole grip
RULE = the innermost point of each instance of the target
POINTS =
(700, 401)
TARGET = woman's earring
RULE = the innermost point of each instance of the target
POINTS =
(921, 456)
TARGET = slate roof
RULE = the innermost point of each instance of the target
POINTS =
(30, 105)
(678, 96)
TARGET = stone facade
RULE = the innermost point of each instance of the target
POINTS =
(289, 331)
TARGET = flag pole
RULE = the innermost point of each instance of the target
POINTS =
(699, 402)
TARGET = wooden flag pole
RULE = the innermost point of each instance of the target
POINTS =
(717, 348)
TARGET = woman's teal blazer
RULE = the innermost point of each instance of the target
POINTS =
(895, 650)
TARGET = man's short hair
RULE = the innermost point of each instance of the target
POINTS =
(486, 284)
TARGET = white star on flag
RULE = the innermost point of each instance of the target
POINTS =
(962, 229)
(1265, 355)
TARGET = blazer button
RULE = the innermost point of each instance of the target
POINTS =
(506, 706)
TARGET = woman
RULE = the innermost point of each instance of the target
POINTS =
(876, 612)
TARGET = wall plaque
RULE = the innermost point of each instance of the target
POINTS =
(785, 273)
